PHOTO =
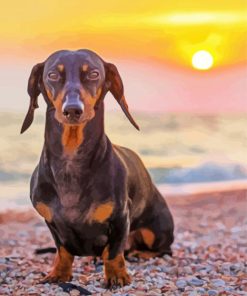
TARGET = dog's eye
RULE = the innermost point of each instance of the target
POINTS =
(53, 76)
(93, 75)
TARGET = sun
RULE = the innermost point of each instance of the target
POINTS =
(202, 60)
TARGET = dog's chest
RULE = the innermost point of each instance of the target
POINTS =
(82, 212)
(83, 231)
(70, 184)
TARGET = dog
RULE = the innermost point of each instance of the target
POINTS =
(97, 198)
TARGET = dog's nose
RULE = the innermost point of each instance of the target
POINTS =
(72, 111)
(72, 107)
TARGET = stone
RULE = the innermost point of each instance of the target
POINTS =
(212, 293)
(181, 284)
(200, 291)
(218, 283)
(195, 282)
(188, 270)
(74, 292)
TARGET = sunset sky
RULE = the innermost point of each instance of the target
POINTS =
(151, 42)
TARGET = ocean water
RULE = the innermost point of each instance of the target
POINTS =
(177, 149)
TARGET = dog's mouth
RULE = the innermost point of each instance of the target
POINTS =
(74, 113)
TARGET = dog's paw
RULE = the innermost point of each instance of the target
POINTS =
(115, 271)
(114, 280)
(54, 277)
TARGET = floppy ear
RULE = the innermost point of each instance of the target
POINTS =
(33, 90)
(115, 86)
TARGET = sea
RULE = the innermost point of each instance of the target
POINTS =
(184, 153)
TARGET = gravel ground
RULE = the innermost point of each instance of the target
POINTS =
(210, 253)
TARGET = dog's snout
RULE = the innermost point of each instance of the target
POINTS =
(72, 107)
(72, 111)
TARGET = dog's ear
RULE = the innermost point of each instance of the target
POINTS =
(33, 90)
(115, 85)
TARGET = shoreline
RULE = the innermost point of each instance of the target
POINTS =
(16, 203)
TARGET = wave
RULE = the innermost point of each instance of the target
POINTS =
(207, 172)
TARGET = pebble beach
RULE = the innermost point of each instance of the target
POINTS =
(209, 253)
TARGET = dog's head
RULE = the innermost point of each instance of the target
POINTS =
(74, 83)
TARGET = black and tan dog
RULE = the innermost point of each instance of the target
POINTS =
(96, 198)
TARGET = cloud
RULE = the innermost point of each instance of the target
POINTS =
(200, 18)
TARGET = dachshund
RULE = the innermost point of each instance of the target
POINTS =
(97, 198)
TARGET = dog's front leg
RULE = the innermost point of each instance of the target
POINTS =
(113, 254)
(62, 267)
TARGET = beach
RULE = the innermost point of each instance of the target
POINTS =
(165, 79)
(199, 164)
(209, 253)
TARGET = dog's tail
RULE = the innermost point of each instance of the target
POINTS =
(45, 250)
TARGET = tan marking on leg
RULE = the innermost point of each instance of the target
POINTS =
(44, 211)
(102, 212)
(134, 240)
(84, 67)
(115, 270)
(148, 237)
(72, 137)
(62, 267)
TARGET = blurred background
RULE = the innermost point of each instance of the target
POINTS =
(183, 64)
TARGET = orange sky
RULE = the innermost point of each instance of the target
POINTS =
(166, 30)
(163, 34)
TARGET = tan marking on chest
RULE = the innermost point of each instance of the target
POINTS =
(148, 237)
(44, 211)
(72, 137)
(102, 212)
